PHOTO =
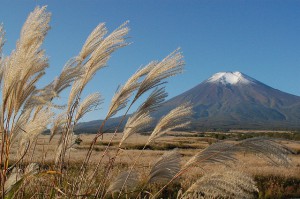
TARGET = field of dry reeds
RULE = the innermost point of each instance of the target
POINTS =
(159, 164)
(272, 181)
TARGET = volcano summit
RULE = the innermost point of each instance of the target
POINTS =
(235, 100)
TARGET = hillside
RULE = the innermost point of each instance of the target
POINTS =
(233, 100)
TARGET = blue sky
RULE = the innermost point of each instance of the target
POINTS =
(259, 38)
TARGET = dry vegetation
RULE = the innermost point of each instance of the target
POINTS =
(126, 165)
(186, 144)
(273, 181)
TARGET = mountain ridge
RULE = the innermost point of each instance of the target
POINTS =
(231, 100)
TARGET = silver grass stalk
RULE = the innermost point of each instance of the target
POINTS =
(33, 128)
(141, 119)
(131, 179)
(267, 148)
(24, 144)
(16, 177)
(36, 27)
(169, 66)
(135, 124)
(13, 178)
(32, 169)
(222, 184)
(166, 167)
(71, 72)
(154, 101)
(103, 51)
(119, 102)
(71, 138)
(58, 153)
(121, 97)
(37, 125)
(176, 118)
(58, 124)
(222, 152)
(27, 63)
(75, 90)
(93, 41)
(91, 102)
(27, 90)
(19, 128)
(97, 60)
(99, 49)
(41, 98)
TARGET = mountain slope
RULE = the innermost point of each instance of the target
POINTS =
(234, 100)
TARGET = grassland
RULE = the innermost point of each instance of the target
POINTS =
(272, 181)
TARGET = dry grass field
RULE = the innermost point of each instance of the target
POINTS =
(272, 180)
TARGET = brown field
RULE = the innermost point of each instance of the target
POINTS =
(186, 144)
(272, 179)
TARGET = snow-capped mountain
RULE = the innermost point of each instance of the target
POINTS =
(230, 100)
(235, 100)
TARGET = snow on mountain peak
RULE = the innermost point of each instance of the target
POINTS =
(230, 78)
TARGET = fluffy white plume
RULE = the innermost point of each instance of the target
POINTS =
(176, 118)
(91, 102)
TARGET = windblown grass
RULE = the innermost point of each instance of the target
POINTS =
(34, 167)
(248, 163)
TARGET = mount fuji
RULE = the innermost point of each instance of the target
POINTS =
(235, 100)
(232, 100)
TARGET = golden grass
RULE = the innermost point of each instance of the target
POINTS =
(187, 147)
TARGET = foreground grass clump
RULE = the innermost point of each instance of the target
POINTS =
(26, 111)
(278, 186)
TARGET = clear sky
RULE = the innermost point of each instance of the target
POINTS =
(260, 38)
